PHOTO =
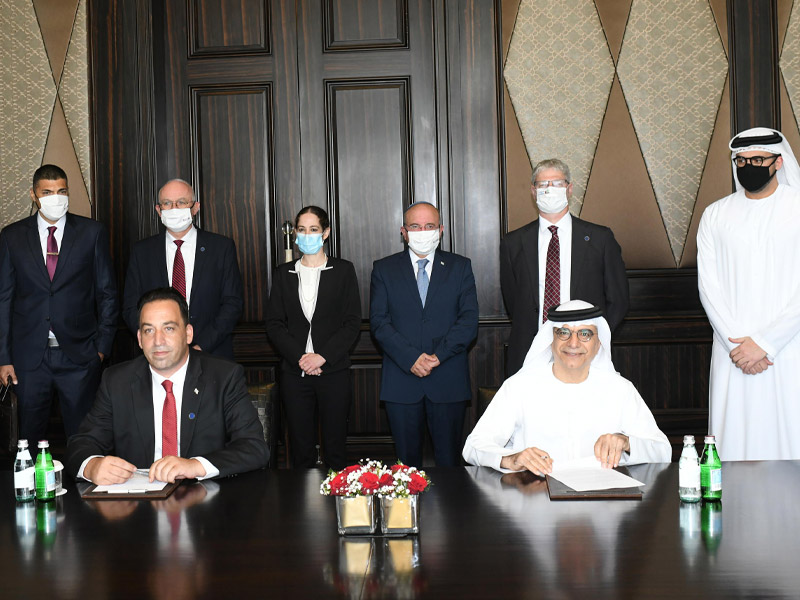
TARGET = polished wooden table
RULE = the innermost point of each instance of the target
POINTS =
(271, 534)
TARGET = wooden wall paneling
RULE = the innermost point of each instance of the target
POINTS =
(364, 24)
(219, 27)
(475, 105)
(236, 177)
(368, 124)
(753, 59)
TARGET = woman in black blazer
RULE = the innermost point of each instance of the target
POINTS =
(313, 318)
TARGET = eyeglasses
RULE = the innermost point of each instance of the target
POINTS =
(170, 204)
(756, 161)
(543, 185)
(426, 227)
(565, 333)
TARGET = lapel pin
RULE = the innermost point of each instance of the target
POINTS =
(586, 239)
(202, 248)
(191, 416)
(441, 262)
(196, 391)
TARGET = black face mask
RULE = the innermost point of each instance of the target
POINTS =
(754, 179)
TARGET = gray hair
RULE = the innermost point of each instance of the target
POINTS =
(552, 163)
(176, 180)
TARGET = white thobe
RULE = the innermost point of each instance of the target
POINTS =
(748, 262)
(534, 408)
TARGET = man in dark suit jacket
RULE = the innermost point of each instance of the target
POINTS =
(590, 262)
(424, 315)
(58, 307)
(211, 282)
(196, 402)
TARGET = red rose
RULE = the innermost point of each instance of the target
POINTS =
(399, 467)
(386, 479)
(417, 484)
(350, 469)
(369, 482)
(338, 484)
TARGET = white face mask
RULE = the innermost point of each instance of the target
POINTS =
(423, 242)
(176, 219)
(54, 206)
(551, 199)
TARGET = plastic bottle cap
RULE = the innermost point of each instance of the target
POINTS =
(44, 444)
(710, 439)
(688, 439)
(22, 444)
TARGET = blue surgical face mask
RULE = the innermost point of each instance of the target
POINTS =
(309, 243)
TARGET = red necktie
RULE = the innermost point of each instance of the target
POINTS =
(169, 423)
(179, 270)
(52, 252)
(552, 278)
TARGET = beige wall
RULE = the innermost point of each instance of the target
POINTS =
(634, 96)
(44, 90)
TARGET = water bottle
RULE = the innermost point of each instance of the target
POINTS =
(45, 474)
(24, 486)
(689, 472)
(711, 471)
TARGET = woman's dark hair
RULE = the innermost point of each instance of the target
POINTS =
(324, 221)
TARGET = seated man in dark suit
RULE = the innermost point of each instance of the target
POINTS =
(135, 414)
(201, 265)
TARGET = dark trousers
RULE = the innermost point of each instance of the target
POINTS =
(445, 423)
(76, 386)
(330, 394)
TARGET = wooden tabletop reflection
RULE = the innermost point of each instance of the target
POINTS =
(483, 534)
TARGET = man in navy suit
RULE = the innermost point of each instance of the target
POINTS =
(58, 307)
(201, 265)
(557, 258)
(183, 414)
(424, 315)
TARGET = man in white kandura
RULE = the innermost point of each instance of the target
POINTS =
(567, 402)
(748, 263)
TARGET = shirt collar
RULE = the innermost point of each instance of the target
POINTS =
(564, 223)
(43, 225)
(415, 258)
(189, 238)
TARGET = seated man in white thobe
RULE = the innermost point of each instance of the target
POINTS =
(567, 402)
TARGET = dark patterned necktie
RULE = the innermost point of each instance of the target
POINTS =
(52, 252)
(179, 270)
(552, 278)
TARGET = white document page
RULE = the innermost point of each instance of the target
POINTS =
(586, 474)
(137, 484)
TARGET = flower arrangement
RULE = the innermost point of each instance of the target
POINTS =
(402, 481)
(371, 477)
(362, 479)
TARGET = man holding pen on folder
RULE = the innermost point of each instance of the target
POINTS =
(567, 402)
(184, 413)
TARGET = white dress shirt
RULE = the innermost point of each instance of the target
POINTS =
(43, 235)
(428, 267)
(188, 249)
(564, 225)
(178, 378)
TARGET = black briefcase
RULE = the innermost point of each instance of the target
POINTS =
(9, 418)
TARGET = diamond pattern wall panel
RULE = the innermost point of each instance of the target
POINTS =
(27, 95)
(672, 67)
(74, 93)
(559, 73)
(790, 59)
(31, 84)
